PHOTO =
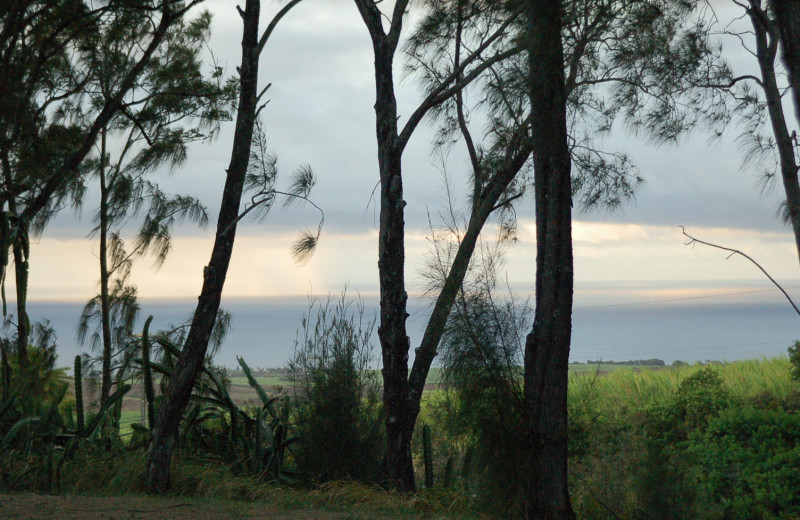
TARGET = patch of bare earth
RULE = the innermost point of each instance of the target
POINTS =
(134, 507)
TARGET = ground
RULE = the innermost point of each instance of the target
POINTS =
(133, 507)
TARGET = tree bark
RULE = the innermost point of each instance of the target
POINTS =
(398, 470)
(188, 367)
(105, 304)
(787, 17)
(21, 280)
(547, 346)
(767, 37)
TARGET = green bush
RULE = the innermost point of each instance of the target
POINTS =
(701, 396)
(338, 414)
(750, 461)
(794, 359)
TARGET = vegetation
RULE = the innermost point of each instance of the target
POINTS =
(111, 93)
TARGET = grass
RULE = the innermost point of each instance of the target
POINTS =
(629, 389)
(122, 474)
(265, 381)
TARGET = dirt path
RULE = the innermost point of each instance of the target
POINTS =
(132, 507)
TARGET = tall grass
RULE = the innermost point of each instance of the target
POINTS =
(628, 389)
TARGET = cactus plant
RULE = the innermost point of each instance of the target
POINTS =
(78, 375)
(427, 450)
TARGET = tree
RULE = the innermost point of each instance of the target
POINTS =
(171, 92)
(41, 150)
(601, 42)
(755, 100)
(189, 365)
(547, 346)
(401, 392)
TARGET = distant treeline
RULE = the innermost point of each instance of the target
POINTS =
(637, 362)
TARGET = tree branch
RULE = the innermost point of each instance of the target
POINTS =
(693, 240)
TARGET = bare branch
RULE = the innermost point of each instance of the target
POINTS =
(693, 240)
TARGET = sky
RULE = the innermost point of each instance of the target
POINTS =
(320, 113)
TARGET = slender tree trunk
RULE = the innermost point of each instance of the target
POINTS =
(483, 207)
(767, 38)
(21, 280)
(190, 363)
(105, 303)
(20, 268)
(399, 468)
(547, 346)
(787, 17)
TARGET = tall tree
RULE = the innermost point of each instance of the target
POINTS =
(188, 366)
(41, 45)
(401, 402)
(601, 47)
(547, 346)
(601, 41)
(173, 106)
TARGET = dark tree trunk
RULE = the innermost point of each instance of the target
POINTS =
(391, 267)
(398, 470)
(767, 37)
(547, 346)
(105, 304)
(787, 17)
(20, 269)
(190, 363)
(21, 280)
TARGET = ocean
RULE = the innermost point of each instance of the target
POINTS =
(744, 322)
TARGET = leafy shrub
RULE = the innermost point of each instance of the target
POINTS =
(701, 396)
(750, 460)
(338, 413)
(794, 359)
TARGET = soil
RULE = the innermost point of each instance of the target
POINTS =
(132, 507)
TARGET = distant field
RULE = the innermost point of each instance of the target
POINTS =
(242, 393)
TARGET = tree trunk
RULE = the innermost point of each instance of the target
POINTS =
(767, 38)
(21, 280)
(190, 363)
(547, 346)
(105, 304)
(787, 17)
(399, 469)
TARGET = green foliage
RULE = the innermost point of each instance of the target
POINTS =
(337, 409)
(481, 357)
(794, 359)
(719, 443)
(701, 396)
(750, 460)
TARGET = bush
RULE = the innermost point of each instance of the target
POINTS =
(750, 460)
(794, 359)
(338, 413)
(701, 396)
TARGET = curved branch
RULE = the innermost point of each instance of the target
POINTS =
(693, 240)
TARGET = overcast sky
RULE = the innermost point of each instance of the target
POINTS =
(319, 62)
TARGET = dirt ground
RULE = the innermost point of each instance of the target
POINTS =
(43, 507)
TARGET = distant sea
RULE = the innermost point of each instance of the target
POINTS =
(747, 322)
